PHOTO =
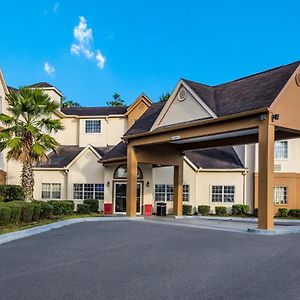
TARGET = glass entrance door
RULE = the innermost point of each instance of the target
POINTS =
(120, 197)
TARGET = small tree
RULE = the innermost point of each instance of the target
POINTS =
(164, 96)
(26, 133)
(68, 103)
(117, 100)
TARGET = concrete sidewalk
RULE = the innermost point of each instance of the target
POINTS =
(231, 224)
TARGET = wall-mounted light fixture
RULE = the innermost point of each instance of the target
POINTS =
(147, 184)
(275, 117)
(107, 184)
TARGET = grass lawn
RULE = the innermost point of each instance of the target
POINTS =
(13, 227)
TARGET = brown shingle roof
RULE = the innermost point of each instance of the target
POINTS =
(65, 154)
(42, 84)
(245, 94)
(94, 111)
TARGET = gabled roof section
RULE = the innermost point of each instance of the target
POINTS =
(94, 111)
(245, 94)
(66, 154)
(41, 85)
(215, 158)
(145, 122)
(141, 98)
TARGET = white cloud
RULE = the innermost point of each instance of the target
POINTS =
(55, 7)
(84, 40)
(48, 68)
(100, 60)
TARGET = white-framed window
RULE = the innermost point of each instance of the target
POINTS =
(165, 192)
(51, 190)
(92, 126)
(84, 191)
(280, 195)
(222, 193)
(281, 150)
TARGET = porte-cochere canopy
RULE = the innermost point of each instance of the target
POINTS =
(259, 109)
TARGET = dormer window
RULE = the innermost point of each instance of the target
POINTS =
(92, 126)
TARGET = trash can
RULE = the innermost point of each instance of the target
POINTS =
(161, 209)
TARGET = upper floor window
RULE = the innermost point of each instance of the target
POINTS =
(121, 172)
(281, 149)
(92, 126)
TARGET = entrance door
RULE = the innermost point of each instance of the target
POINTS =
(120, 197)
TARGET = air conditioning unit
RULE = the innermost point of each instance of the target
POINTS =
(277, 167)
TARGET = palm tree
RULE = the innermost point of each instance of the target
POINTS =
(26, 132)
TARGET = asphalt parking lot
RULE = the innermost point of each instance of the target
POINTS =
(143, 260)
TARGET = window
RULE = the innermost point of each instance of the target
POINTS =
(92, 126)
(186, 193)
(222, 193)
(281, 149)
(280, 195)
(51, 190)
(165, 192)
(84, 191)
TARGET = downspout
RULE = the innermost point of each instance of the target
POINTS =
(244, 187)
(66, 173)
(106, 131)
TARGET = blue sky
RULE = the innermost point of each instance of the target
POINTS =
(131, 47)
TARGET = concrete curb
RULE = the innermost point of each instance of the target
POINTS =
(8, 237)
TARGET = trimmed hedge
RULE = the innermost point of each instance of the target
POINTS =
(5, 213)
(16, 209)
(187, 210)
(93, 204)
(27, 212)
(11, 192)
(240, 210)
(36, 212)
(64, 207)
(46, 209)
(83, 208)
(204, 210)
(221, 211)
(294, 213)
(283, 212)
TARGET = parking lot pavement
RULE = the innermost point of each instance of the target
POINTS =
(143, 260)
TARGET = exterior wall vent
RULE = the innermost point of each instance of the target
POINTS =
(277, 167)
(182, 95)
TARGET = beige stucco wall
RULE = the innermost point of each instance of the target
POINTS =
(112, 129)
(181, 111)
(53, 95)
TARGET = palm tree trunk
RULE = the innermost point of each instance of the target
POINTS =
(27, 180)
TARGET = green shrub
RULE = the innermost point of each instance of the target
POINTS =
(255, 212)
(221, 211)
(46, 209)
(5, 213)
(283, 212)
(16, 209)
(11, 192)
(187, 210)
(204, 210)
(294, 213)
(83, 208)
(27, 212)
(240, 210)
(93, 204)
(36, 212)
(65, 207)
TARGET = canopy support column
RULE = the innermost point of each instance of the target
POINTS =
(266, 174)
(131, 191)
(178, 188)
